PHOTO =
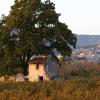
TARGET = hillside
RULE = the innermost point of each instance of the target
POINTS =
(87, 40)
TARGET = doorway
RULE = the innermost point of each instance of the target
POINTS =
(40, 78)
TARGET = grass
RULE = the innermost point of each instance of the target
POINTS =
(52, 90)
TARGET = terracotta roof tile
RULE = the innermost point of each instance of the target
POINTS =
(37, 60)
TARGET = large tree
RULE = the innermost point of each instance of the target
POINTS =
(33, 28)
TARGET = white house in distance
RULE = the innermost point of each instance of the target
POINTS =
(41, 68)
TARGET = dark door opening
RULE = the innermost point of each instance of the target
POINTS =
(40, 78)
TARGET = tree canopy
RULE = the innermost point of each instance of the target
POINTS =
(33, 28)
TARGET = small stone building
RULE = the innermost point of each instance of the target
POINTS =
(19, 77)
(37, 69)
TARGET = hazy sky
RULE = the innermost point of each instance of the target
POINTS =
(82, 16)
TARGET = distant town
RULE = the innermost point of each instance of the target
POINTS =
(88, 53)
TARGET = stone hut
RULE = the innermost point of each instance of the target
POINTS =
(19, 77)
(37, 69)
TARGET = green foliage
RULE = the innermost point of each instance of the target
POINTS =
(33, 28)
(9, 70)
(6, 70)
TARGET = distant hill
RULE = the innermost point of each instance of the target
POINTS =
(87, 40)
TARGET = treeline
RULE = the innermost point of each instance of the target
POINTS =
(84, 68)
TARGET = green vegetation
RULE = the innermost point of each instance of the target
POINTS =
(53, 90)
(33, 28)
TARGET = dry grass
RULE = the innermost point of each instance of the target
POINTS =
(53, 90)
(80, 67)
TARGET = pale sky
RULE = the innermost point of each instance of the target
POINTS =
(82, 16)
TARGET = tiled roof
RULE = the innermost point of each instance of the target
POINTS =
(37, 60)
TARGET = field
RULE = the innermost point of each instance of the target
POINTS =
(83, 84)
(52, 90)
